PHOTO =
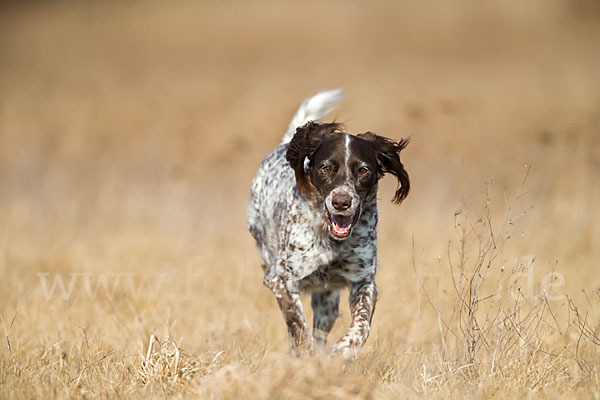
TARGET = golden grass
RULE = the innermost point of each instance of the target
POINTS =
(129, 134)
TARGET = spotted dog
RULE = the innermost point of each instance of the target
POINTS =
(313, 213)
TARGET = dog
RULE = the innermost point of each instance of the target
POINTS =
(313, 214)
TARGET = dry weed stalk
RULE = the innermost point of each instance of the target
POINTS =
(501, 328)
(503, 325)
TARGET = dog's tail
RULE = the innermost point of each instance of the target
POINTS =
(312, 109)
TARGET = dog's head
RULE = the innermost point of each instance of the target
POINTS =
(340, 171)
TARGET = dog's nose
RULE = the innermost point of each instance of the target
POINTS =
(341, 201)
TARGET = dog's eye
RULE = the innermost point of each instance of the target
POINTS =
(363, 171)
(325, 169)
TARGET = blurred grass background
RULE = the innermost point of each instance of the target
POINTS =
(130, 132)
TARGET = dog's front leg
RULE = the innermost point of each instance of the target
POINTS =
(293, 314)
(363, 296)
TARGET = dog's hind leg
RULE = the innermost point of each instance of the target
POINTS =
(325, 310)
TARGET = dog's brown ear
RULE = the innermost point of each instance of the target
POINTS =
(303, 145)
(388, 161)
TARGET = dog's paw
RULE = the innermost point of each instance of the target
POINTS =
(307, 348)
(346, 349)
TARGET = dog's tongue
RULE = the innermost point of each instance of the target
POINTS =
(341, 224)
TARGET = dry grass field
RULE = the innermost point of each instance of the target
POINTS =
(129, 135)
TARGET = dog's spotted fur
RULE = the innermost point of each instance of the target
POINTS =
(313, 213)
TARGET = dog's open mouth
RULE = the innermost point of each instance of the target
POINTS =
(341, 225)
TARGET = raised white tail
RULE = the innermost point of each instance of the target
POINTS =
(312, 109)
